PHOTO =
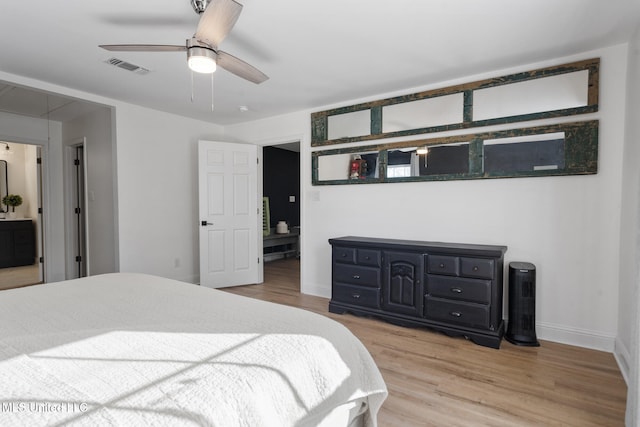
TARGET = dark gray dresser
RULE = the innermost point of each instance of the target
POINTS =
(453, 288)
(17, 242)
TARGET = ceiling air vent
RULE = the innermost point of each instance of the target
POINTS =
(127, 66)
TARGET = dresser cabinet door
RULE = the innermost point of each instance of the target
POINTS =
(402, 286)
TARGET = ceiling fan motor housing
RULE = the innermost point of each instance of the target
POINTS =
(200, 5)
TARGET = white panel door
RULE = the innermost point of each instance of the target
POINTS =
(229, 214)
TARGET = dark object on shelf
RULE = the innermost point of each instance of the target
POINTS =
(449, 287)
(522, 304)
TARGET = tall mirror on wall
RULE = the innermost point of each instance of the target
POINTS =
(4, 184)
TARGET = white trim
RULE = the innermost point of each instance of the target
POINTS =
(623, 357)
(575, 336)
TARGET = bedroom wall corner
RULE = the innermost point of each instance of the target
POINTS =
(158, 191)
(628, 340)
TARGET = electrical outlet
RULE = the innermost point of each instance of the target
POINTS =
(292, 199)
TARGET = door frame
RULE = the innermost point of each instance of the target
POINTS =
(275, 143)
(70, 224)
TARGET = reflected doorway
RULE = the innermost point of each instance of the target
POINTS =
(22, 228)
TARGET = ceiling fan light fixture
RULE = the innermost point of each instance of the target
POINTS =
(201, 60)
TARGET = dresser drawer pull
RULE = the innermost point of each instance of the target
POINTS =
(441, 265)
(355, 276)
(456, 314)
(456, 290)
(344, 255)
(367, 258)
(356, 296)
(476, 268)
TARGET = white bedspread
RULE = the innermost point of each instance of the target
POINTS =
(131, 349)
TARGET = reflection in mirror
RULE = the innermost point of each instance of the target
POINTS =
(568, 90)
(525, 153)
(348, 125)
(4, 184)
(348, 166)
(441, 110)
(432, 160)
(402, 163)
(446, 159)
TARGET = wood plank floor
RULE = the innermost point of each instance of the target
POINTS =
(435, 380)
(17, 277)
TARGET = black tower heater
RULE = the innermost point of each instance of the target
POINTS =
(522, 304)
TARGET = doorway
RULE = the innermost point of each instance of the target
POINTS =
(281, 194)
(22, 258)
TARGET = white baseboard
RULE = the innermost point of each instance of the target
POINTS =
(575, 336)
(623, 357)
(315, 289)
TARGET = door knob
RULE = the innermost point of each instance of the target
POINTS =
(205, 223)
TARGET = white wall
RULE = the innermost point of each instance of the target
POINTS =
(567, 226)
(627, 343)
(102, 208)
(158, 191)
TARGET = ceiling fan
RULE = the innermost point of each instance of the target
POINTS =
(217, 18)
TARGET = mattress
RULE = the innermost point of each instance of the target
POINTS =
(134, 349)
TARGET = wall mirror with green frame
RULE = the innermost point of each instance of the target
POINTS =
(558, 91)
(550, 150)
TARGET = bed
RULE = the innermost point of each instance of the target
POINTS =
(134, 349)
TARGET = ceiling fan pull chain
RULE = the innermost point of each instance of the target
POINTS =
(212, 92)
(191, 86)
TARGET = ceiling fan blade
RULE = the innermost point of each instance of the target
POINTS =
(143, 47)
(240, 68)
(217, 20)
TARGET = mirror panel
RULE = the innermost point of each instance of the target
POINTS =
(525, 154)
(559, 92)
(4, 183)
(348, 166)
(349, 125)
(446, 159)
(423, 113)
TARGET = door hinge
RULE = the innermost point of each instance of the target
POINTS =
(78, 211)
(257, 160)
(39, 160)
(41, 260)
(78, 258)
(258, 260)
(76, 162)
(40, 210)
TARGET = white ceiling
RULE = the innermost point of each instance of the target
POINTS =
(315, 52)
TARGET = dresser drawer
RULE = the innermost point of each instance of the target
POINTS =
(473, 290)
(369, 257)
(344, 255)
(357, 295)
(477, 267)
(439, 264)
(357, 275)
(463, 313)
